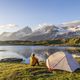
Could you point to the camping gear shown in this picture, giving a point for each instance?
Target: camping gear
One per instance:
(26, 60)
(62, 61)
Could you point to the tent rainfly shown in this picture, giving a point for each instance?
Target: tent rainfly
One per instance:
(62, 61)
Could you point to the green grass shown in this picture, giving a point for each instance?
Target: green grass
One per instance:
(18, 71)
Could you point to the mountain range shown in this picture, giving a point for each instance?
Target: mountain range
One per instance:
(45, 32)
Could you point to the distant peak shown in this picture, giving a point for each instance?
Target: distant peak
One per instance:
(45, 24)
(27, 27)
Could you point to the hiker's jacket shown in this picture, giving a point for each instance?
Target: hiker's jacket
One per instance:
(33, 61)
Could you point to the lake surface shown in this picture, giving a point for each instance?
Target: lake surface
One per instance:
(25, 51)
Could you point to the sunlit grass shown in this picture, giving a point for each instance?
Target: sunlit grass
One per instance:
(18, 71)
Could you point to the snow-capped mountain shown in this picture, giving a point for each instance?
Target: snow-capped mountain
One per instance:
(44, 32)
(15, 35)
(71, 26)
(5, 36)
(69, 29)
(21, 33)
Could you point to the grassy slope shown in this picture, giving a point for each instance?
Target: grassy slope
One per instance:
(18, 71)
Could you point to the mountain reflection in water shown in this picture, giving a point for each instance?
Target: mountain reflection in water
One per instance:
(42, 52)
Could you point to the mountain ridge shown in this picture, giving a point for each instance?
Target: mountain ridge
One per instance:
(65, 30)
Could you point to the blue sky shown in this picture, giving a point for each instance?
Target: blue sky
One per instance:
(34, 12)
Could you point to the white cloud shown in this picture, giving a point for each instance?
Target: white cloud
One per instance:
(71, 22)
(9, 28)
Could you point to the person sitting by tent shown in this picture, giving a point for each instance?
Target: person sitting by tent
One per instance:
(33, 60)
